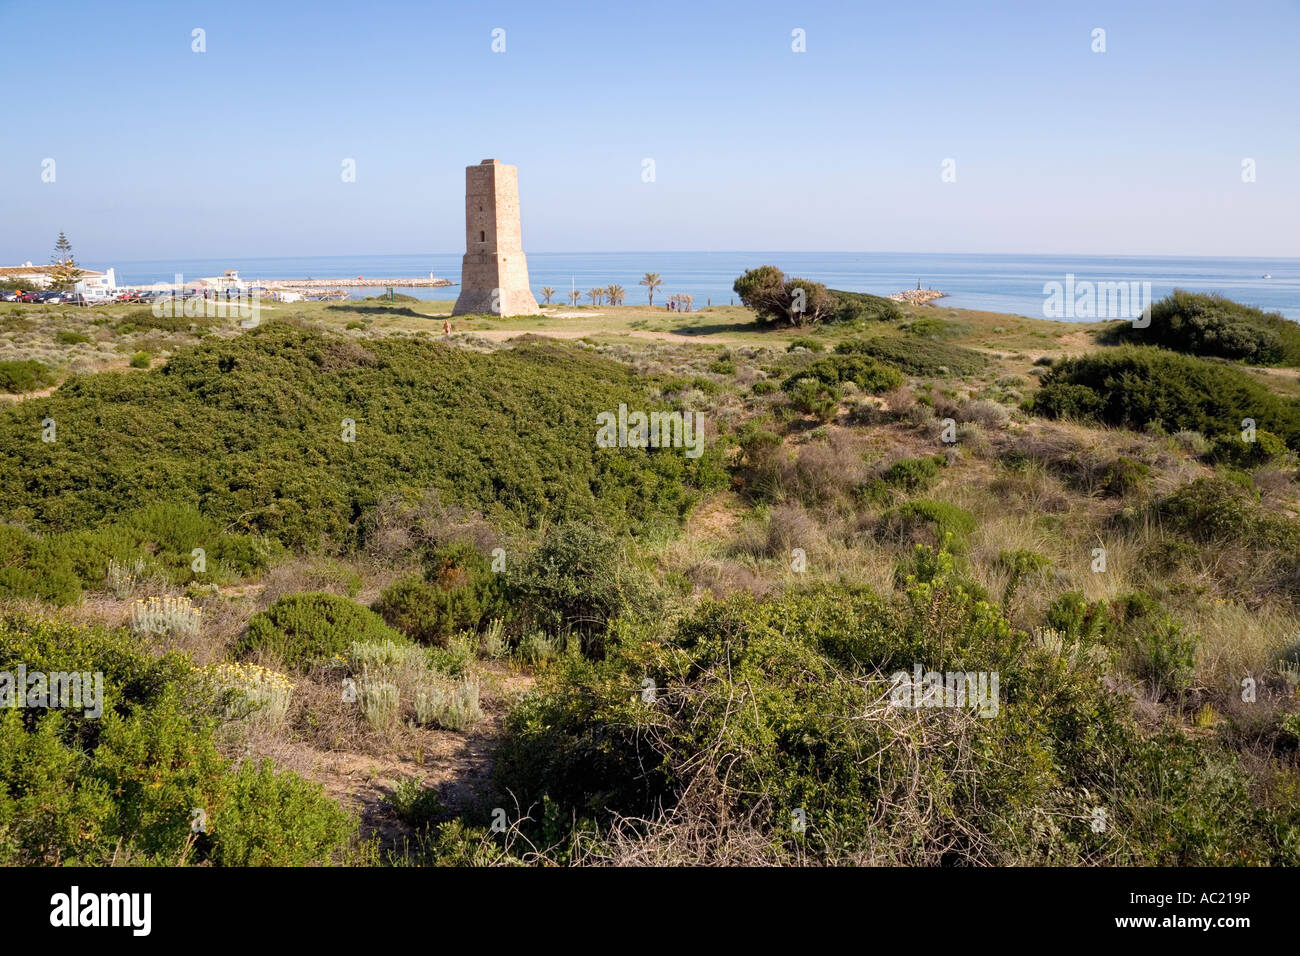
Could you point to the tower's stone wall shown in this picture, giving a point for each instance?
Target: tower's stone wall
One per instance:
(494, 273)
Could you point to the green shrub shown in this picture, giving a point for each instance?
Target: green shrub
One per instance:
(863, 371)
(918, 356)
(1162, 651)
(1124, 475)
(914, 474)
(863, 307)
(66, 337)
(578, 579)
(301, 629)
(1078, 620)
(949, 522)
(417, 805)
(124, 788)
(1212, 325)
(248, 431)
(57, 567)
(141, 360)
(1233, 450)
(1210, 509)
(276, 819)
(1132, 387)
(805, 342)
(24, 376)
(761, 707)
(459, 592)
(808, 396)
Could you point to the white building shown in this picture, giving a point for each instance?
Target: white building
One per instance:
(98, 285)
(38, 277)
(223, 283)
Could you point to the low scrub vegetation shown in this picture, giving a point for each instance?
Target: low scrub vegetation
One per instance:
(1138, 387)
(1214, 326)
(24, 376)
(144, 782)
(403, 568)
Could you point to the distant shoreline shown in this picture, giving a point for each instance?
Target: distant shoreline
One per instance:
(982, 282)
(358, 282)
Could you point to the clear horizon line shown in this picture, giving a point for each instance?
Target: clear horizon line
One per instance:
(626, 252)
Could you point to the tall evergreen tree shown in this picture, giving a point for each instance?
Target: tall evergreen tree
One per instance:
(64, 271)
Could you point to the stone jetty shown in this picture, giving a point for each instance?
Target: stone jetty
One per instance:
(918, 296)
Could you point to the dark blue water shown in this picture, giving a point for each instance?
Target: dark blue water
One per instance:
(995, 283)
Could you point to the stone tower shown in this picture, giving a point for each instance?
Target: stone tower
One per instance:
(494, 273)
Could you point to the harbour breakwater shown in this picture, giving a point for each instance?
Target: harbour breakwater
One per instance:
(359, 281)
(917, 296)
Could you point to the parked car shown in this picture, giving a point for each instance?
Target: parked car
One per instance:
(8, 296)
(28, 297)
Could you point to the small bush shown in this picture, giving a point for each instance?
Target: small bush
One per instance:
(863, 371)
(1132, 387)
(949, 523)
(805, 342)
(24, 376)
(918, 356)
(122, 789)
(811, 397)
(301, 629)
(141, 360)
(913, 474)
(459, 592)
(1232, 450)
(417, 805)
(578, 579)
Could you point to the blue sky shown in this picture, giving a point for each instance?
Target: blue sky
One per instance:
(162, 152)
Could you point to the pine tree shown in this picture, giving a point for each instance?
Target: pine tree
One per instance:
(64, 272)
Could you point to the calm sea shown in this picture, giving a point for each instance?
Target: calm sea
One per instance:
(996, 283)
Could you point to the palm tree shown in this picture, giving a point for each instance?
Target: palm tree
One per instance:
(616, 294)
(651, 281)
(597, 296)
(547, 292)
(574, 296)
